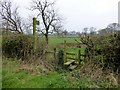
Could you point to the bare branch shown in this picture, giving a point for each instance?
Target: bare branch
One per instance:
(11, 17)
(47, 15)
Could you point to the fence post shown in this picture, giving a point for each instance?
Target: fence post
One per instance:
(55, 56)
(65, 51)
(85, 55)
(34, 33)
(79, 56)
(60, 58)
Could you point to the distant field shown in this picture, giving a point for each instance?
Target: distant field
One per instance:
(58, 40)
(53, 41)
(75, 50)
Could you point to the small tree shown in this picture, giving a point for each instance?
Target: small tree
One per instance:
(113, 27)
(92, 30)
(85, 30)
(48, 17)
(10, 17)
(65, 32)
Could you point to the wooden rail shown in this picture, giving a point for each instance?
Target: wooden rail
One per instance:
(70, 53)
(68, 56)
(72, 58)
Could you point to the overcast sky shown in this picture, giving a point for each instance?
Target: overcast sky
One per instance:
(81, 13)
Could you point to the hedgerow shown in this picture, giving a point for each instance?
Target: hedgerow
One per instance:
(20, 46)
(104, 50)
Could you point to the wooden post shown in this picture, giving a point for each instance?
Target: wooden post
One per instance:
(34, 33)
(79, 56)
(85, 55)
(65, 51)
(55, 56)
(61, 58)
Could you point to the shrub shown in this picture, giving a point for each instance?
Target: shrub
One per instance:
(19, 46)
(104, 50)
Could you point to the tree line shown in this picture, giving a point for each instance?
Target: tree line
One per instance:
(50, 21)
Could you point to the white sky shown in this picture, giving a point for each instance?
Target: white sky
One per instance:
(81, 13)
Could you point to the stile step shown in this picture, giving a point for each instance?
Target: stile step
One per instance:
(72, 67)
(69, 62)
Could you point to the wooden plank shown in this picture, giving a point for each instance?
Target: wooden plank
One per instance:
(72, 58)
(70, 53)
(82, 54)
(72, 67)
(50, 52)
(70, 62)
(65, 51)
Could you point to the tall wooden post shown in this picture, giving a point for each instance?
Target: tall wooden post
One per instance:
(65, 51)
(34, 33)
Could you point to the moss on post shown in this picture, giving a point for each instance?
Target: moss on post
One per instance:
(60, 58)
(65, 51)
(34, 33)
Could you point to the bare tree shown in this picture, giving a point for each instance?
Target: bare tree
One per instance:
(65, 32)
(48, 17)
(85, 30)
(10, 17)
(114, 27)
(92, 30)
(58, 28)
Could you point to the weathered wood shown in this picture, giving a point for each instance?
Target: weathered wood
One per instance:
(72, 58)
(79, 55)
(70, 53)
(61, 58)
(83, 55)
(54, 54)
(72, 67)
(50, 52)
(34, 33)
(65, 51)
(70, 62)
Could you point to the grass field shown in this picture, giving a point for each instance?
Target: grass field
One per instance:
(16, 78)
(59, 40)
(75, 50)
(53, 41)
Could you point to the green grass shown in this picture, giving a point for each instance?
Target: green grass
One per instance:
(75, 50)
(59, 40)
(15, 78)
(53, 41)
